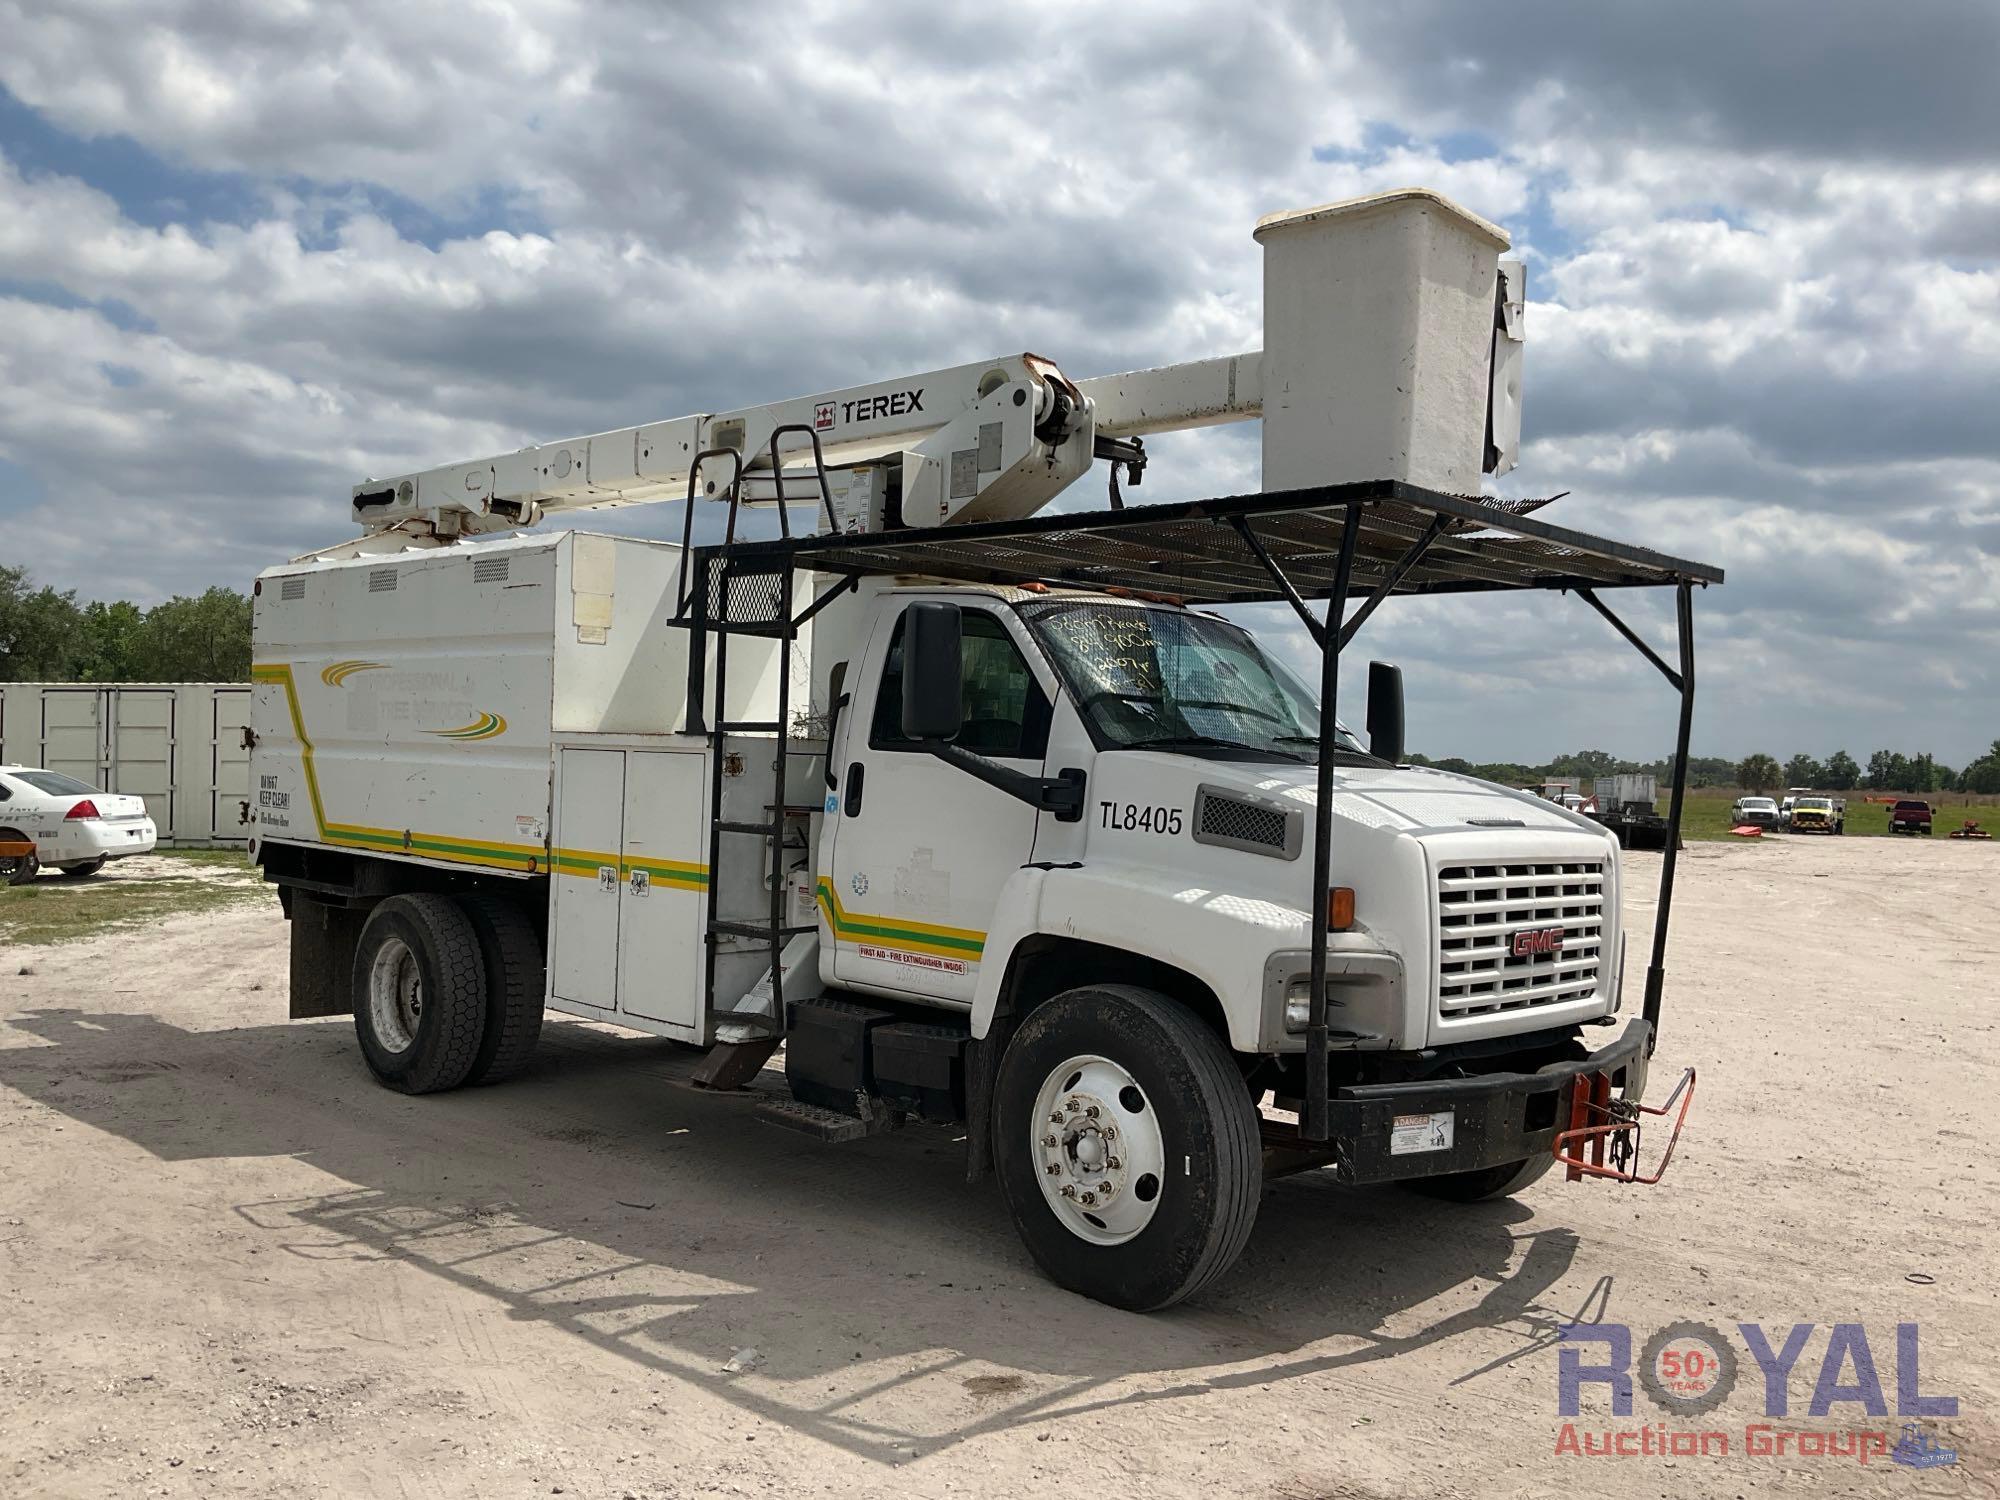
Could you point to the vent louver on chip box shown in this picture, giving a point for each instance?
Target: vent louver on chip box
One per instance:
(489, 570)
(382, 581)
(292, 588)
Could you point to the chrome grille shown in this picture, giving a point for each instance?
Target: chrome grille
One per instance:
(1480, 910)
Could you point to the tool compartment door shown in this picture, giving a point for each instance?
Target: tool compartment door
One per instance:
(584, 910)
(664, 896)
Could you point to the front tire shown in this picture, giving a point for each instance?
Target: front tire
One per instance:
(1484, 1183)
(1127, 1146)
(84, 869)
(419, 993)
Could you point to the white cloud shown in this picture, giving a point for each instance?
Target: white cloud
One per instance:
(1759, 336)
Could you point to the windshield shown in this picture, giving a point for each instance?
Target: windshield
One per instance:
(1759, 802)
(1155, 676)
(55, 783)
(1813, 804)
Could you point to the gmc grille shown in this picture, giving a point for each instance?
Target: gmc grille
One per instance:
(1482, 907)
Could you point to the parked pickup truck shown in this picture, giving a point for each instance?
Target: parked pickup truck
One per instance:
(1761, 812)
(1910, 815)
(1819, 815)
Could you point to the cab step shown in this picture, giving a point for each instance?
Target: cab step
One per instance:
(825, 1124)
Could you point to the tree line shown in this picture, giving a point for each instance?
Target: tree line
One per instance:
(46, 636)
(1886, 771)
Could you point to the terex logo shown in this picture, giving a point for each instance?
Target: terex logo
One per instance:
(868, 408)
(823, 416)
(1539, 940)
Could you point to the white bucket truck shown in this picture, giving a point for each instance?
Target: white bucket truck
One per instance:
(988, 816)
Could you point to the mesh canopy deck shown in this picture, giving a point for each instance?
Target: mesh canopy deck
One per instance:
(1197, 551)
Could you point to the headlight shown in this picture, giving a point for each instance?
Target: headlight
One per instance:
(1298, 1004)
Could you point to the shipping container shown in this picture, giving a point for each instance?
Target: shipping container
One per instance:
(177, 744)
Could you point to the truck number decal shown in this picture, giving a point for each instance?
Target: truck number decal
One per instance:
(1138, 816)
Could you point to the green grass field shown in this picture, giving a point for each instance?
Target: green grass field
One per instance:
(175, 882)
(1706, 815)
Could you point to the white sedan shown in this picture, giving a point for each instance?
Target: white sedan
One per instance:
(47, 818)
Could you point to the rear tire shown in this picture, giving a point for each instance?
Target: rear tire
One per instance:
(419, 993)
(85, 869)
(19, 869)
(1485, 1183)
(1183, 1156)
(512, 954)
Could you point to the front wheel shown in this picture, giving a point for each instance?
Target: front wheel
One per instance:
(1127, 1146)
(1483, 1183)
(419, 987)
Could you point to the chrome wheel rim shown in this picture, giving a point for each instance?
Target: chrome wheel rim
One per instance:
(1097, 1150)
(395, 995)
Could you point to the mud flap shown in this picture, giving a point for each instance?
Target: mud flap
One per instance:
(323, 943)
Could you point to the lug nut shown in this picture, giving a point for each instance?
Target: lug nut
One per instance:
(1092, 1111)
(1111, 1132)
(1072, 1106)
(1048, 1140)
(1056, 1118)
(1068, 1191)
(1111, 1162)
(1052, 1169)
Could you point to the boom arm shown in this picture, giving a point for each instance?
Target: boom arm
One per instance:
(1392, 349)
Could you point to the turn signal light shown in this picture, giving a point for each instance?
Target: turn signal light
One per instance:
(1340, 908)
(84, 809)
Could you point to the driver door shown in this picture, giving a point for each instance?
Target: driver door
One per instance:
(921, 849)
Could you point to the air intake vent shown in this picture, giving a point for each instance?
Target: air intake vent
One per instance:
(1236, 822)
(292, 588)
(382, 581)
(489, 569)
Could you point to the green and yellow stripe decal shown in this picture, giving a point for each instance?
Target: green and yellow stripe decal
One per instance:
(447, 848)
(585, 863)
(485, 727)
(895, 932)
(340, 671)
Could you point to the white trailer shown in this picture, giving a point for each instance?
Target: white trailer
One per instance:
(987, 817)
(179, 745)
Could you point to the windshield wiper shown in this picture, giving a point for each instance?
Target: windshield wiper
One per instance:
(1169, 741)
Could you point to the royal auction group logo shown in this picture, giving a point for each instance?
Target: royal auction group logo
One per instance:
(1688, 1370)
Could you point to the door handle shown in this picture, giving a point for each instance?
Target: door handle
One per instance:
(855, 771)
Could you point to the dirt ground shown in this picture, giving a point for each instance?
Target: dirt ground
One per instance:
(232, 1265)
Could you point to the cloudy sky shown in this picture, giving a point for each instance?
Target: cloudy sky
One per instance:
(252, 252)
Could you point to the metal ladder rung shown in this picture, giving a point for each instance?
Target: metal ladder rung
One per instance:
(749, 726)
(757, 930)
(768, 830)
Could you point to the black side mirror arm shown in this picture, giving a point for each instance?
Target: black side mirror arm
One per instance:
(1061, 794)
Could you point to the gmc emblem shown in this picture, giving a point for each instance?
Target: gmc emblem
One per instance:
(1538, 940)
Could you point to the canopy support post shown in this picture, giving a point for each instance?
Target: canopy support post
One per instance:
(1315, 1126)
(1656, 973)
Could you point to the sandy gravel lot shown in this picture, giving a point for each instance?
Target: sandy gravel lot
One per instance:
(233, 1266)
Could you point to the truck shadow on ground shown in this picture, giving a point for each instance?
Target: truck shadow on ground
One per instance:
(600, 1195)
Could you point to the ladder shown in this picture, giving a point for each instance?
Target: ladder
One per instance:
(733, 598)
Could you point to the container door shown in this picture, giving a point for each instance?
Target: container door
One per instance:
(72, 734)
(665, 889)
(583, 912)
(229, 765)
(142, 751)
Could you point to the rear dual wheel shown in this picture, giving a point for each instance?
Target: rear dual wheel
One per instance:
(446, 991)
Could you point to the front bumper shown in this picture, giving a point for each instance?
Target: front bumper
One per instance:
(1494, 1118)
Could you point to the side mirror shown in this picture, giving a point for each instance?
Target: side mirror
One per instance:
(1385, 711)
(933, 672)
